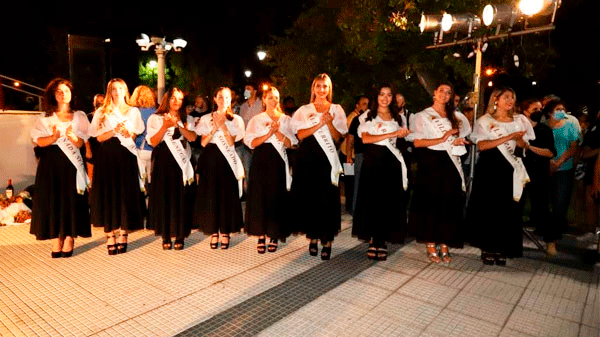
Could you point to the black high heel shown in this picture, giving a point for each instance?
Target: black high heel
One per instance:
(122, 246)
(272, 246)
(487, 258)
(382, 253)
(313, 248)
(112, 249)
(225, 245)
(167, 244)
(214, 244)
(500, 260)
(179, 243)
(325, 253)
(70, 252)
(261, 248)
(372, 252)
(56, 255)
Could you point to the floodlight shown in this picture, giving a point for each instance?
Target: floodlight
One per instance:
(179, 43)
(447, 22)
(143, 41)
(534, 7)
(499, 14)
(430, 23)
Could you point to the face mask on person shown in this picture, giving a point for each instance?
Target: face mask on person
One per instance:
(559, 114)
(247, 94)
(536, 116)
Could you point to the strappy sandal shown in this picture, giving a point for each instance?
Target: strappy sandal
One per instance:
(214, 241)
(500, 260)
(487, 258)
(112, 249)
(167, 244)
(261, 247)
(326, 253)
(273, 246)
(433, 255)
(382, 253)
(313, 248)
(225, 243)
(122, 246)
(372, 252)
(445, 254)
(179, 243)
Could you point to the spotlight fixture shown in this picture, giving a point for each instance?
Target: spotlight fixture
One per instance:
(499, 14)
(430, 23)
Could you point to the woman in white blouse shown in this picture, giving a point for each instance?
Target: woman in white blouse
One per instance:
(315, 192)
(171, 195)
(269, 134)
(380, 213)
(117, 194)
(218, 208)
(60, 211)
(436, 214)
(493, 212)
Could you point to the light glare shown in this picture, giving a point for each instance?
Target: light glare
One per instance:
(531, 7)
(447, 22)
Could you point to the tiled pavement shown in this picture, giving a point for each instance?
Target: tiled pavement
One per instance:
(199, 291)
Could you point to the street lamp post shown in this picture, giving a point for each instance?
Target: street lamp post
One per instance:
(161, 47)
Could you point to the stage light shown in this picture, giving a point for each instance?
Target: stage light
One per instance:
(490, 84)
(179, 43)
(447, 22)
(531, 7)
(430, 23)
(499, 14)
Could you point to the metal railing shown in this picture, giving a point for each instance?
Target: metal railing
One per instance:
(16, 86)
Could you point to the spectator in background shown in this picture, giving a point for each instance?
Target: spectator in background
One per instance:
(289, 105)
(351, 149)
(250, 108)
(590, 149)
(200, 107)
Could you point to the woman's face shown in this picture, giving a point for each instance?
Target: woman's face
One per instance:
(506, 101)
(559, 107)
(271, 100)
(384, 99)
(321, 89)
(62, 94)
(223, 99)
(533, 107)
(176, 101)
(442, 94)
(118, 92)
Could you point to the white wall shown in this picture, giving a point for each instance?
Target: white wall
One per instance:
(17, 160)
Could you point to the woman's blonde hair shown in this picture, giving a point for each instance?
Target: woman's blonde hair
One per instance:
(325, 78)
(143, 97)
(492, 104)
(108, 100)
(271, 90)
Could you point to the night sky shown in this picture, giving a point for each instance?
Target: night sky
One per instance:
(230, 32)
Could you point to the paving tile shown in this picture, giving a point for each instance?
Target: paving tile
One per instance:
(427, 291)
(359, 294)
(591, 312)
(538, 324)
(506, 332)
(383, 278)
(513, 276)
(562, 282)
(552, 305)
(451, 323)
(497, 290)
(408, 310)
(403, 263)
(374, 324)
(586, 331)
(482, 308)
(444, 275)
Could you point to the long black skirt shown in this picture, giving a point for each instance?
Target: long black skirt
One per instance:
(170, 201)
(436, 210)
(381, 202)
(268, 205)
(218, 208)
(58, 210)
(116, 199)
(315, 200)
(493, 217)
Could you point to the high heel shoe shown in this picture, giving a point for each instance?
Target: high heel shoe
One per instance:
(432, 253)
(445, 254)
(261, 247)
(70, 252)
(487, 258)
(214, 241)
(56, 255)
(382, 253)
(325, 252)
(372, 252)
(167, 244)
(272, 246)
(313, 248)
(112, 249)
(122, 246)
(500, 260)
(179, 243)
(225, 241)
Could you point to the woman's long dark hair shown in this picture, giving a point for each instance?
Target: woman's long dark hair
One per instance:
(394, 111)
(229, 112)
(449, 106)
(50, 105)
(164, 105)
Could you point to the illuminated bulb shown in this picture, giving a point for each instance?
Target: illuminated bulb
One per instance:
(265, 87)
(248, 73)
(447, 22)
(16, 84)
(488, 15)
(261, 55)
(152, 64)
(490, 84)
(531, 7)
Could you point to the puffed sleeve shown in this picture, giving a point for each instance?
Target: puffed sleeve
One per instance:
(465, 127)
(236, 128)
(154, 124)
(479, 132)
(39, 130)
(529, 133)
(299, 119)
(417, 126)
(191, 123)
(363, 127)
(135, 117)
(339, 119)
(285, 127)
(256, 128)
(81, 125)
(203, 125)
(95, 128)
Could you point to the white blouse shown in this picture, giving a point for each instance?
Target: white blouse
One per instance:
(377, 126)
(519, 123)
(260, 124)
(235, 127)
(301, 118)
(133, 121)
(155, 122)
(421, 127)
(43, 126)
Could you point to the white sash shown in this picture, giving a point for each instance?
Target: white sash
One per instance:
(324, 139)
(453, 151)
(127, 142)
(280, 148)
(390, 143)
(181, 156)
(82, 181)
(520, 176)
(231, 156)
